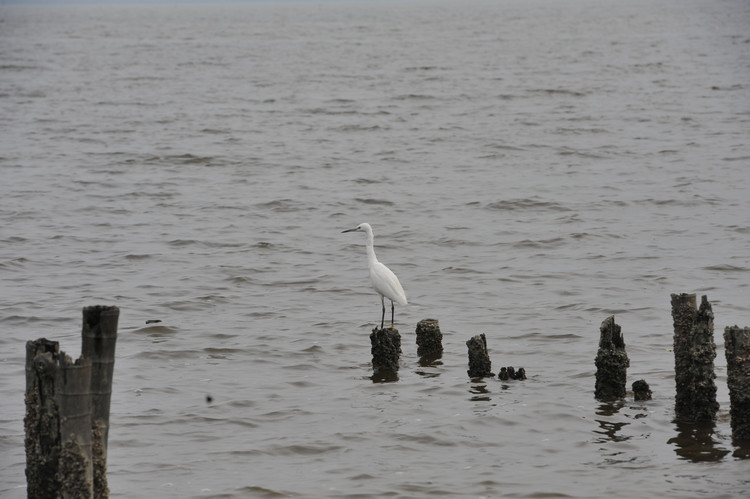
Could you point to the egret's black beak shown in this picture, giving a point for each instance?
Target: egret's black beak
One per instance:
(349, 230)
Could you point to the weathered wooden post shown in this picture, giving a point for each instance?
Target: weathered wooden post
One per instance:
(737, 349)
(99, 337)
(57, 423)
(42, 419)
(61, 410)
(386, 349)
(429, 339)
(611, 362)
(694, 353)
(480, 365)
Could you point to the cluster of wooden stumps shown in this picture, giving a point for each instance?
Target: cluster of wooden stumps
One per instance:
(386, 349)
(694, 353)
(67, 402)
(67, 411)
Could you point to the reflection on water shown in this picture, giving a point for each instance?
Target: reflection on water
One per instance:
(609, 429)
(697, 442)
(480, 393)
(431, 365)
(431, 361)
(384, 376)
(742, 451)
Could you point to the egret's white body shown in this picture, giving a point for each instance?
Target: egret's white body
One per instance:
(383, 279)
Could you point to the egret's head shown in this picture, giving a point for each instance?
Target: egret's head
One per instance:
(359, 228)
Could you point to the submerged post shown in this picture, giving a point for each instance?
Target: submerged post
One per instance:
(480, 365)
(611, 362)
(429, 339)
(510, 372)
(737, 349)
(386, 349)
(694, 353)
(67, 411)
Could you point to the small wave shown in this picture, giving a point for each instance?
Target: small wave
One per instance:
(303, 450)
(182, 242)
(526, 204)
(255, 491)
(738, 158)
(568, 151)
(540, 244)
(16, 263)
(358, 128)
(167, 354)
(687, 202)
(414, 97)
(375, 201)
(137, 257)
(557, 91)
(14, 240)
(423, 68)
(221, 353)
(159, 330)
(280, 205)
(726, 268)
(207, 244)
(461, 270)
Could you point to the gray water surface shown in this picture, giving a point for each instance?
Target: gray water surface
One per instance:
(529, 169)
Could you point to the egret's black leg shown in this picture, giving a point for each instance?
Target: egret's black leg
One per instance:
(382, 318)
(392, 314)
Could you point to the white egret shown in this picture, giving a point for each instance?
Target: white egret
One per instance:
(383, 279)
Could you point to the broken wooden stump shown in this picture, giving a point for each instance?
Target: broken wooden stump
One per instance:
(386, 349)
(737, 349)
(429, 339)
(611, 362)
(694, 353)
(63, 404)
(57, 422)
(479, 360)
(641, 390)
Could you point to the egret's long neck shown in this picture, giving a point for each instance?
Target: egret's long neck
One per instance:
(371, 248)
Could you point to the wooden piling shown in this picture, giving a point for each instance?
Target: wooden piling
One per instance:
(694, 353)
(429, 339)
(99, 338)
(67, 406)
(57, 423)
(386, 349)
(737, 349)
(480, 365)
(76, 463)
(611, 362)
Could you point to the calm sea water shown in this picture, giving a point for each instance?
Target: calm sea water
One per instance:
(529, 168)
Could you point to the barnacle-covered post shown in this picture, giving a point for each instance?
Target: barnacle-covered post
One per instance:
(67, 411)
(57, 423)
(429, 339)
(480, 365)
(737, 349)
(99, 337)
(694, 353)
(386, 349)
(611, 362)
